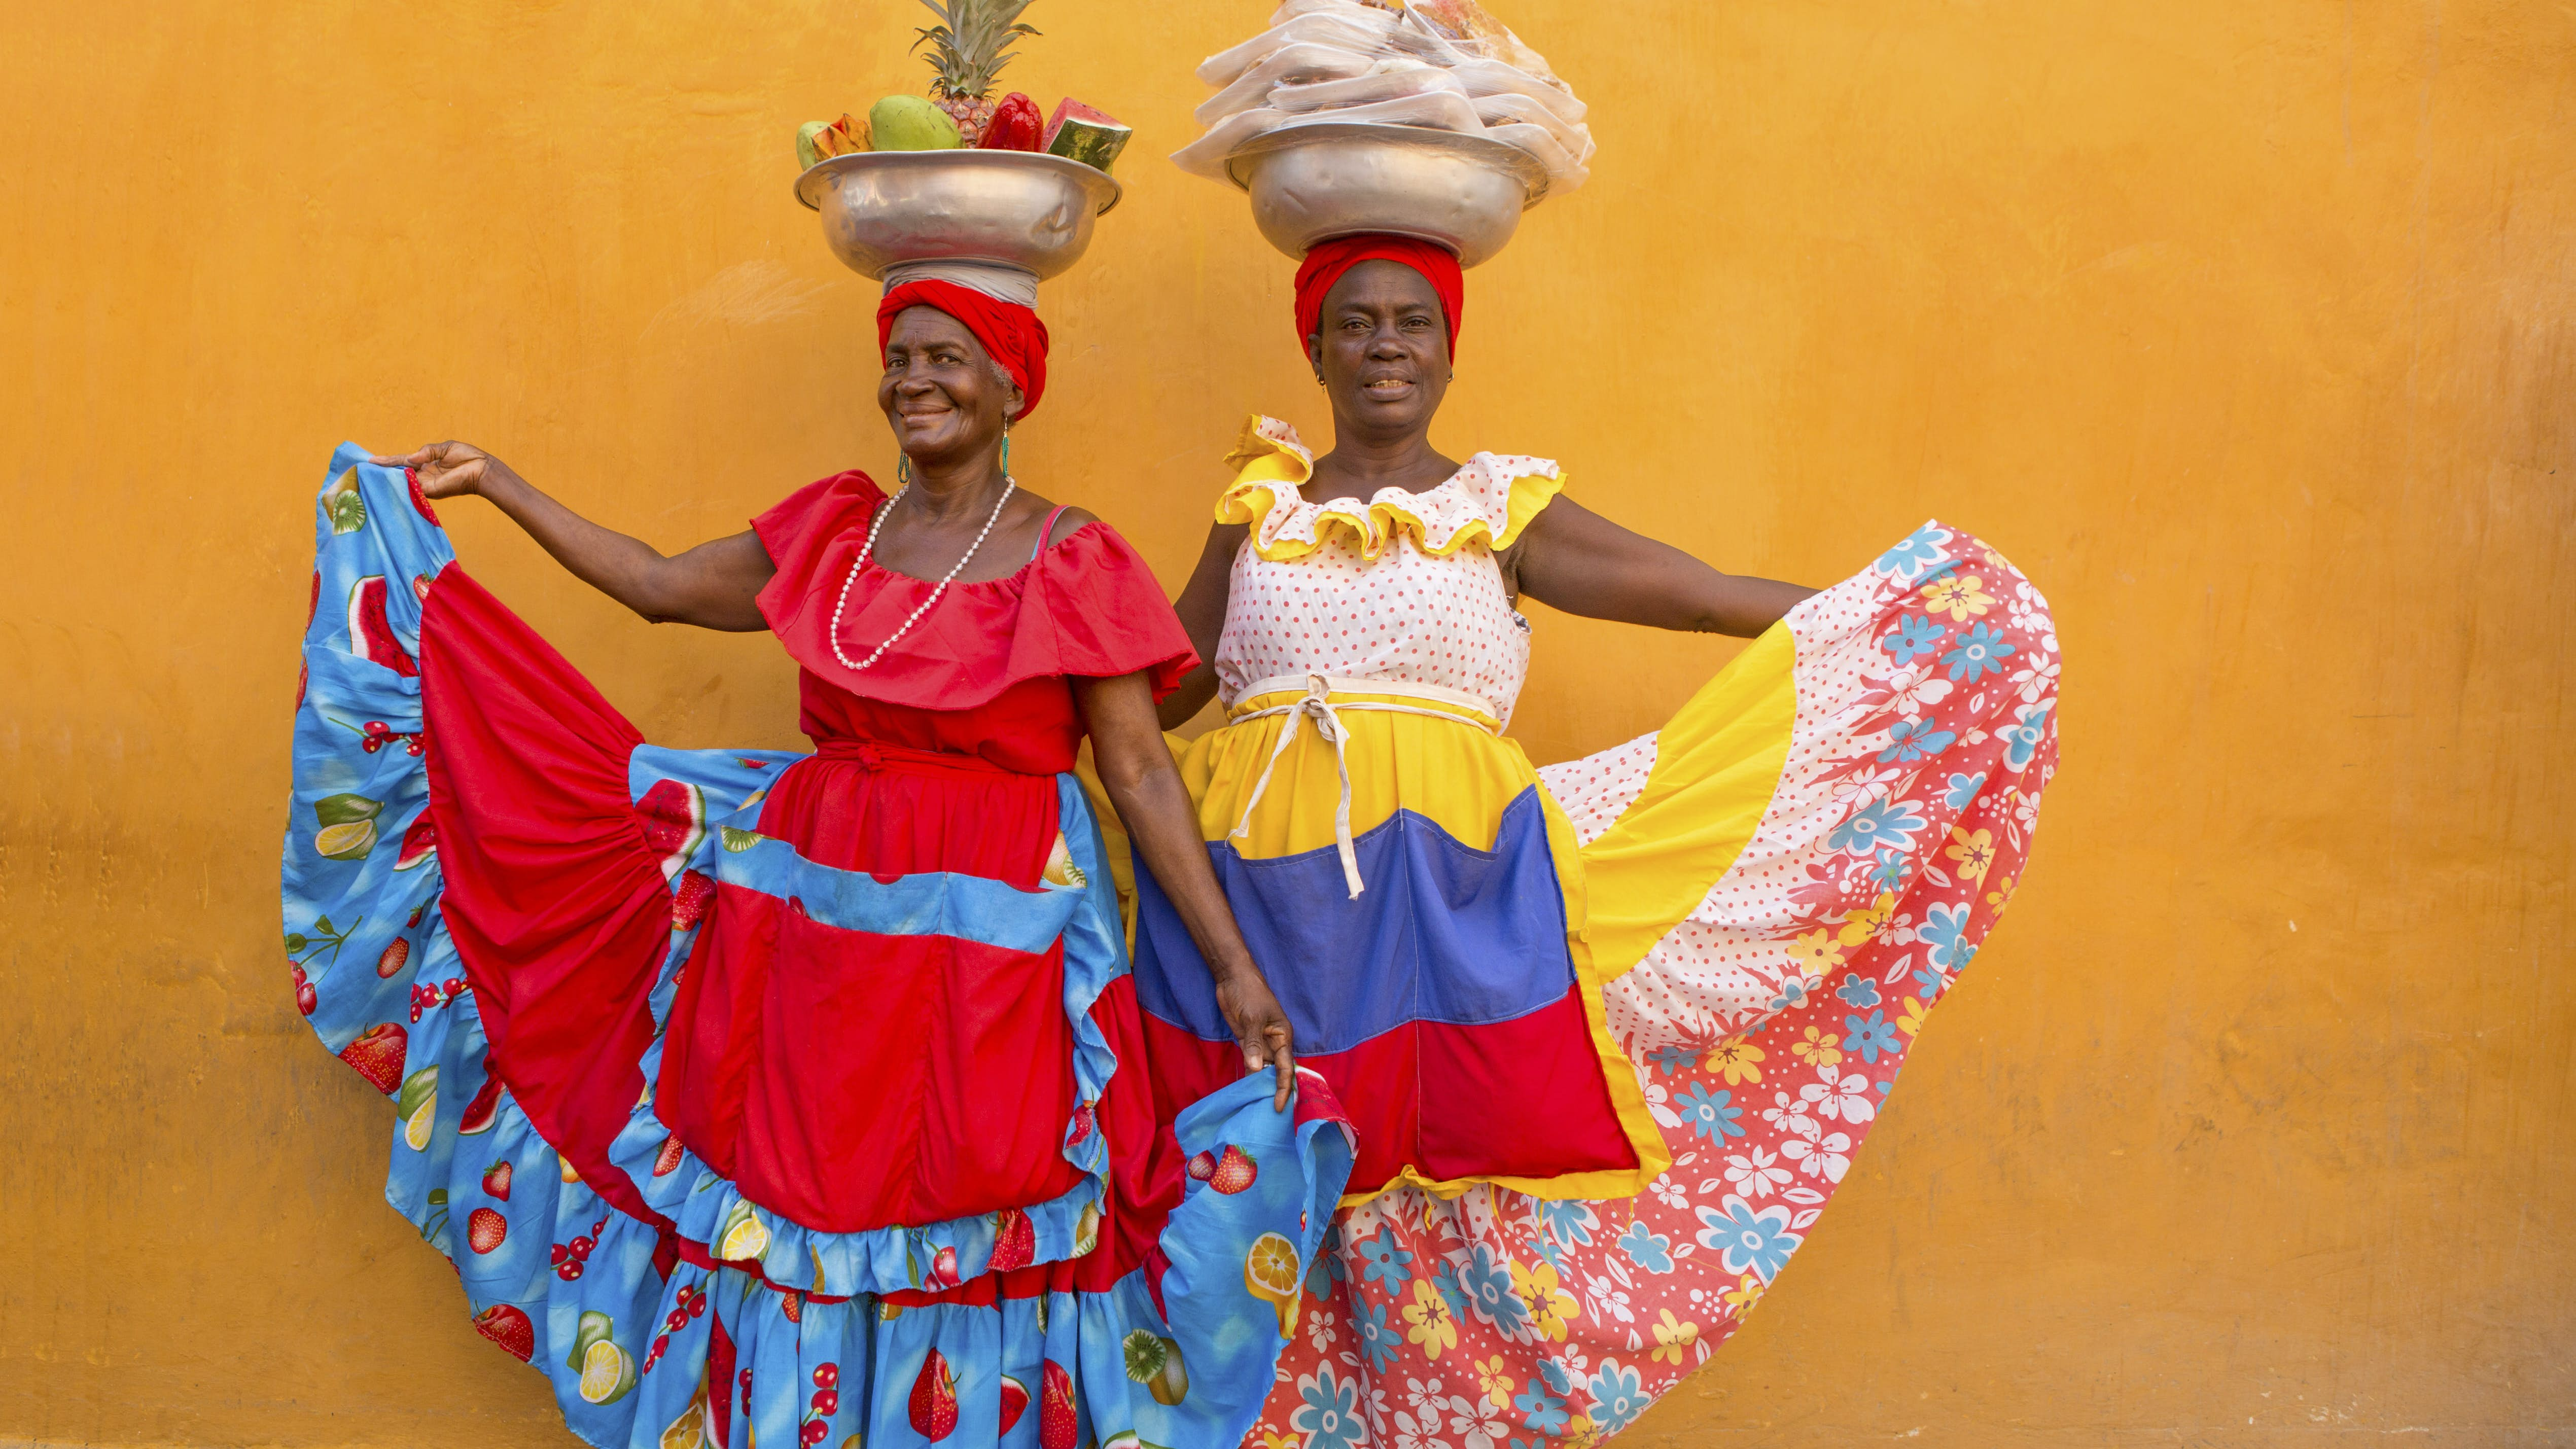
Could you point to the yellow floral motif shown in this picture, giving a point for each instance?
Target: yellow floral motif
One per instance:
(1550, 1305)
(1962, 596)
(1496, 1377)
(1822, 1048)
(1912, 1021)
(1432, 1328)
(1581, 1434)
(2001, 896)
(1674, 1338)
(1867, 923)
(1746, 1293)
(1974, 853)
(1280, 1441)
(1734, 1059)
(1815, 952)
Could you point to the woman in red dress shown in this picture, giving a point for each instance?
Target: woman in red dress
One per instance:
(801, 1094)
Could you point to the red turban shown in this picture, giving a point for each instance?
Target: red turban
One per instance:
(1329, 260)
(1010, 332)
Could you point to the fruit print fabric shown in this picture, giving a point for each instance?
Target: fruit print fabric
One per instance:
(665, 1307)
(1778, 886)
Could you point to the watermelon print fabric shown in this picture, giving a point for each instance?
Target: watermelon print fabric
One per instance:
(511, 958)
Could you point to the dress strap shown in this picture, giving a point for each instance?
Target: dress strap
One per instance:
(1318, 703)
(1047, 528)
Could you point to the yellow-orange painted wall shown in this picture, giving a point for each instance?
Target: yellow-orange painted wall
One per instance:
(2245, 328)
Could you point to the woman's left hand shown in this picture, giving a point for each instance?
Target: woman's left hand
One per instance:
(1260, 1028)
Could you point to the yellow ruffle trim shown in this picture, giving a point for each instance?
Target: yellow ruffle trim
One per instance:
(1271, 464)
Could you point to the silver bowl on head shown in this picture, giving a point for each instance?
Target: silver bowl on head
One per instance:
(1014, 208)
(1315, 182)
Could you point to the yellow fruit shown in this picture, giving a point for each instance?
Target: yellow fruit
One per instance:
(689, 1431)
(1271, 1269)
(345, 842)
(745, 1241)
(607, 1372)
(1061, 873)
(416, 1126)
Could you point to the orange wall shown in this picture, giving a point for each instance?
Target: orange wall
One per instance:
(2245, 328)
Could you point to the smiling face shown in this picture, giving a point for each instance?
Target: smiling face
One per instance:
(942, 393)
(1383, 350)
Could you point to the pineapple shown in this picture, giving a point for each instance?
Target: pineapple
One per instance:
(966, 50)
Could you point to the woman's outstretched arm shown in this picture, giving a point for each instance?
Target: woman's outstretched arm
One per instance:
(1202, 610)
(1573, 559)
(1136, 768)
(713, 586)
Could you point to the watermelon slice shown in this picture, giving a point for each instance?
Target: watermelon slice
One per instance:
(675, 823)
(1084, 133)
(419, 843)
(370, 637)
(485, 1107)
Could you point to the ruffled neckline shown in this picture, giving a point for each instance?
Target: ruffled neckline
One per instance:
(1489, 500)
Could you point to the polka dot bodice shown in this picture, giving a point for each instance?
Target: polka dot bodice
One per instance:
(1404, 587)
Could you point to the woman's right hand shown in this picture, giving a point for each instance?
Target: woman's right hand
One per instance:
(446, 470)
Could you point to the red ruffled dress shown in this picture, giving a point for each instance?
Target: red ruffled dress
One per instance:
(795, 1098)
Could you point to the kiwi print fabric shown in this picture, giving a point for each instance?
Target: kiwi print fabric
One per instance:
(771, 1098)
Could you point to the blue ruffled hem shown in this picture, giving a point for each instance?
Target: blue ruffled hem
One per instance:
(629, 1335)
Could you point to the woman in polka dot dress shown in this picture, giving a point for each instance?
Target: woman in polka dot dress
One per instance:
(1610, 1032)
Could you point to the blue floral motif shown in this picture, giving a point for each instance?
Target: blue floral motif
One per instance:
(1327, 1270)
(1559, 1378)
(1384, 1262)
(2021, 739)
(1961, 790)
(1915, 739)
(1920, 550)
(1979, 652)
(1567, 1221)
(1746, 1240)
(1330, 1418)
(1858, 991)
(1914, 635)
(1710, 1114)
(1793, 992)
(1380, 1342)
(1893, 869)
(1943, 935)
(1673, 1060)
(1870, 1037)
(1933, 980)
(1878, 823)
(1546, 1246)
(1488, 1282)
(1617, 1396)
(1648, 1250)
(1446, 1283)
(1540, 1410)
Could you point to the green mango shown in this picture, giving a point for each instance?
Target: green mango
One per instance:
(912, 123)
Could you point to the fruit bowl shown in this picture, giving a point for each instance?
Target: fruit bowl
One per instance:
(1017, 208)
(1315, 182)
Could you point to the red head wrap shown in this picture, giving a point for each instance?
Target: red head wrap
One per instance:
(1329, 260)
(1010, 332)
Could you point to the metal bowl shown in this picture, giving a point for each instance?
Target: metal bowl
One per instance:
(1315, 182)
(1017, 208)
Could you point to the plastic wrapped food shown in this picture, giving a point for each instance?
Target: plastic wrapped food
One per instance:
(1448, 110)
(1356, 28)
(1510, 108)
(1564, 172)
(1390, 80)
(1290, 65)
(1206, 155)
(1494, 78)
(1446, 65)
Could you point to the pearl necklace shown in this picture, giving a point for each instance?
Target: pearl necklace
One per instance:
(1010, 485)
